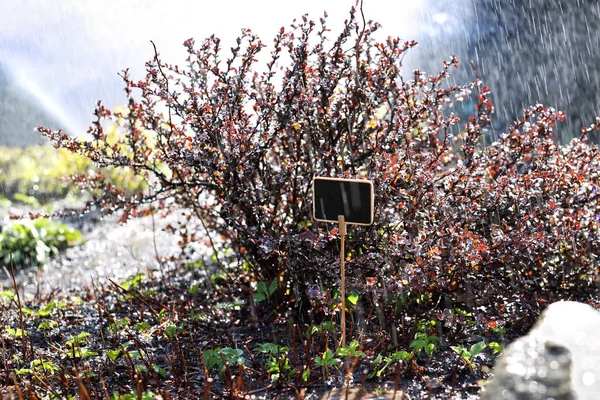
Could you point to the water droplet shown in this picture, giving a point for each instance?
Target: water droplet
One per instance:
(533, 387)
(588, 378)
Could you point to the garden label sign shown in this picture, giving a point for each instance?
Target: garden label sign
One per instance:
(349, 198)
(345, 201)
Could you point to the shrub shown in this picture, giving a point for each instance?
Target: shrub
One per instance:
(237, 147)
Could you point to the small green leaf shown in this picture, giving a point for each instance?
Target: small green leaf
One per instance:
(141, 368)
(194, 289)
(171, 330)
(351, 350)
(114, 354)
(141, 326)
(81, 352)
(353, 298)
(45, 366)
(327, 359)
(47, 325)
(16, 333)
(477, 348)
(461, 351)
(7, 294)
(402, 356)
(159, 370)
(23, 371)
(328, 326)
(378, 360)
(306, 374)
(496, 347)
(134, 354)
(273, 287)
(161, 315)
(77, 339)
(417, 345)
(261, 287)
(429, 349)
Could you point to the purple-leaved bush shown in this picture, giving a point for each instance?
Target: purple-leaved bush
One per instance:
(236, 146)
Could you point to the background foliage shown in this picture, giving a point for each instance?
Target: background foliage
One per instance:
(43, 172)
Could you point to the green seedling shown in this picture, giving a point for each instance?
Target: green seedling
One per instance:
(280, 368)
(117, 354)
(75, 347)
(159, 370)
(81, 352)
(462, 312)
(117, 325)
(306, 374)
(399, 356)
(350, 351)
(499, 330)
(114, 355)
(47, 325)
(133, 282)
(326, 326)
(278, 364)
(193, 290)
(469, 320)
(133, 396)
(46, 311)
(171, 330)
(271, 349)
(161, 315)
(142, 327)
(263, 292)
(424, 342)
(468, 355)
(17, 333)
(39, 366)
(219, 358)
(327, 359)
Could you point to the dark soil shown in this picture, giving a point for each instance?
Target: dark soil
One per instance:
(149, 334)
(164, 302)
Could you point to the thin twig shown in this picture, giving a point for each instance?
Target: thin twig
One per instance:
(166, 84)
(160, 262)
(20, 311)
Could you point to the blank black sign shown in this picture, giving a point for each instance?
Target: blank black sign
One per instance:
(352, 198)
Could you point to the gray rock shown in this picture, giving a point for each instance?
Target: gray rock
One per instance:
(532, 370)
(559, 359)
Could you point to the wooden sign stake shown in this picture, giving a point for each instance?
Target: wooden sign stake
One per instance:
(352, 202)
(342, 230)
